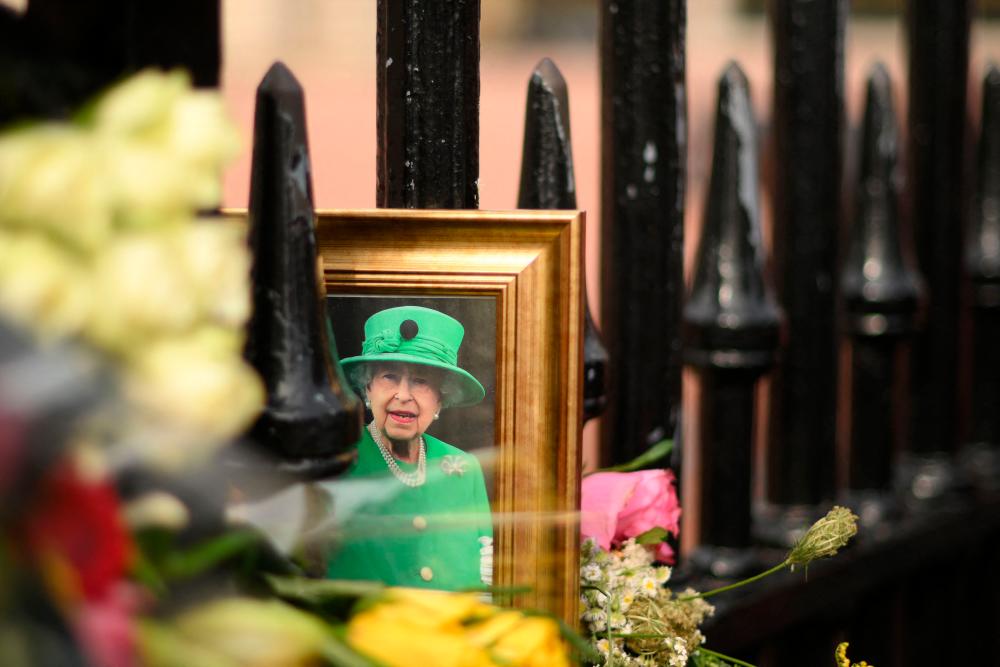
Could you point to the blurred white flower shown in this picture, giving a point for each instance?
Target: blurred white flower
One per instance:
(99, 241)
(198, 381)
(217, 263)
(143, 291)
(42, 285)
(50, 181)
(164, 146)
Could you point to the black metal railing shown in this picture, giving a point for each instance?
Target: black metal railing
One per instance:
(897, 332)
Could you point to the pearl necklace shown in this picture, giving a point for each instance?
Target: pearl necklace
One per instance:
(411, 479)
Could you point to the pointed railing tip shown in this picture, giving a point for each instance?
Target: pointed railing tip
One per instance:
(547, 180)
(880, 110)
(733, 76)
(879, 290)
(982, 256)
(731, 318)
(734, 108)
(280, 79)
(878, 78)
(548, 76)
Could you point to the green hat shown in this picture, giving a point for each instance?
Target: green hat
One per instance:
(419, 336)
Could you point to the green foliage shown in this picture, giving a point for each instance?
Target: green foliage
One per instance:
(654, 535)
(652, 455)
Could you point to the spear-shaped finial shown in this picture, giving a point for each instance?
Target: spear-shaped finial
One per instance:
(312, 420)
(730, 331)
(547, 182)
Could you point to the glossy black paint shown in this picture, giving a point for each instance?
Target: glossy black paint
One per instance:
(427, 104)
(880, 294)
(59, 53)
(643, 155)
(312, 419)
(730, 332)
(547, 182)
(982, 264)
(807, 125)
(938, 42)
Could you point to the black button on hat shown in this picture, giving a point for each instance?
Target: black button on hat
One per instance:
(408, 329)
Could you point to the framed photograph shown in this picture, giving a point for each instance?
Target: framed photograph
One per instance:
(514, 282)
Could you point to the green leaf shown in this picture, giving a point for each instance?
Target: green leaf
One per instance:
(338, 653)
(703, 657)
(208, 554)
(319, 591)
(658, 451)
(654, 535)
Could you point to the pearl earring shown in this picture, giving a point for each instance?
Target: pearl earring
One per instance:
(437, 415)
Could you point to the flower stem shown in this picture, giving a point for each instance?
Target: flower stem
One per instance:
(723, 656)
(780, 566)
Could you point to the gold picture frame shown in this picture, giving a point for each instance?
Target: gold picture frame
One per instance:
(531, 263)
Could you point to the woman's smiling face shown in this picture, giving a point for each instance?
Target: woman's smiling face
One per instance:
(404, 399)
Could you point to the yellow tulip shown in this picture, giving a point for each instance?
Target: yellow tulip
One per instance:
(534, 642)
(453, 630)
(404, 644)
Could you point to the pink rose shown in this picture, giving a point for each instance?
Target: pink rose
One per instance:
(619, 505)
(106, 627)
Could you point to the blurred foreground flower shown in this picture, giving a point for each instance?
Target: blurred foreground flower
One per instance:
(235, 631)
(616, 506)
(423, 627)
(99, 241)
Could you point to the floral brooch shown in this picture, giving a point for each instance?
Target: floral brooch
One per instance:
(453, 465)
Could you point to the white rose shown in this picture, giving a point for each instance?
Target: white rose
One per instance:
(49, 179)
(198, 381)
(139, 106)
(143, 290)
(43, 286)
(217, 263)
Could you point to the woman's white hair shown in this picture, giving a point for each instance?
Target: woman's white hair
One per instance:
(360, 376)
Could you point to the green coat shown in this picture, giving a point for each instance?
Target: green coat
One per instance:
(430, 536)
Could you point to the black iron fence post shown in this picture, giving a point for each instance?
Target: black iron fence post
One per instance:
(311, 420)
(643, 154)
(730, 334)
(427, 104)
(807, 121)
(547, 182)
(58, 53)
(880, 295)
(938, 36)
(982, 263)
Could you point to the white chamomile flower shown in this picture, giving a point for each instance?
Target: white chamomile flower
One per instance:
(649, 587)
(626, 601)
(604, 646)
(662, 574)
(591, 572)
(617, 620)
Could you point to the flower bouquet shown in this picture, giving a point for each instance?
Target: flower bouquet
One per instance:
(627, 610)
(122, 314)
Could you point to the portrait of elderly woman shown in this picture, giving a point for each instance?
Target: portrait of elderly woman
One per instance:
(428, 524)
